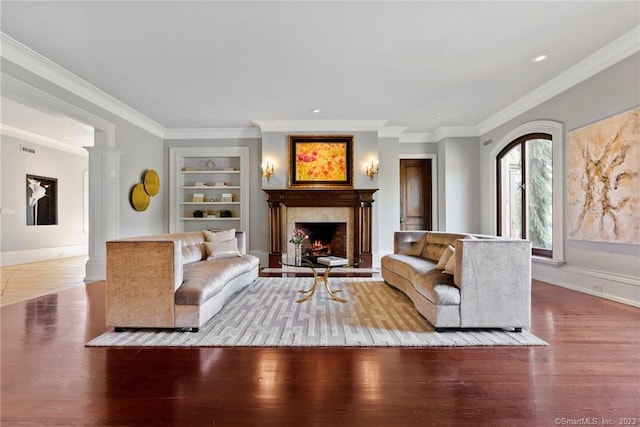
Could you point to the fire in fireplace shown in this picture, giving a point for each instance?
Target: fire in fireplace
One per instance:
(325, 238)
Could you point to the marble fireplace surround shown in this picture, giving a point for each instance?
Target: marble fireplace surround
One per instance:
(353, 206)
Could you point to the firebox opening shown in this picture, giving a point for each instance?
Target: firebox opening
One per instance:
(325, 238)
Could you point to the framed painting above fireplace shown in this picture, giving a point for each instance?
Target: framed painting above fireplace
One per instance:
(321, 161)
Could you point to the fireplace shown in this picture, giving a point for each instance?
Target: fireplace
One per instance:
(325, 238)
(350, 207)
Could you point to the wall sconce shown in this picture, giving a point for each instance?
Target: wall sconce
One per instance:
(268, 170)
(372, 170)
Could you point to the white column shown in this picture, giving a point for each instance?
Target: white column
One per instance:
(104, 205)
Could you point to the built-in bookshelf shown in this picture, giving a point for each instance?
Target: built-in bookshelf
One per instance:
(208, 188)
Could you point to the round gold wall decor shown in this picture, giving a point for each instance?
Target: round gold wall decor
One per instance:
(151, 182)
(139, 198)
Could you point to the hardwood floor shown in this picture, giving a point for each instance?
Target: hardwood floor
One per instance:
(590, 370)
(25, 281)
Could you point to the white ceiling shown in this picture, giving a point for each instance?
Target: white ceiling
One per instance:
(38, 126)
(423, 65)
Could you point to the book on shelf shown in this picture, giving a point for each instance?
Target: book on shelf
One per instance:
(332, 260)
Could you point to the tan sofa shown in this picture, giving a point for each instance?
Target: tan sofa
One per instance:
(166, 281)
(490, 286)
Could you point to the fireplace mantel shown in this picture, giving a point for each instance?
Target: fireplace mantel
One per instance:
(359, 199)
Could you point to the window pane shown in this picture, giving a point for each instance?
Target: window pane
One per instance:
(511, 179)
(539, 192)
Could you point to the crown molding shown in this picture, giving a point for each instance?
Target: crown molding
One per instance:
(21, 55)
(439, 134)
(603, 58)
(417, 138)
(35, 138)
(319, 125)
(455, 132)
(391, 132)
(212, 133)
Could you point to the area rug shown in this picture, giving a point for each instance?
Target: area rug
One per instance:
(266, 314)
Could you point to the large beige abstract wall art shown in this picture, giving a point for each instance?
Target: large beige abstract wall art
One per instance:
(603, 182)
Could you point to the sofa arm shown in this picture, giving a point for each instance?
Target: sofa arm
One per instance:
(494, 277)
(142, 276)
(241, 237)
(408, 242)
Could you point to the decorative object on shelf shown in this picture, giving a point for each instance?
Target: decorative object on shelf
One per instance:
(372, 169)
(151, 182)
(227, 198)
(198, 198)
(321, 161)
(297, 237)
(268, 170)
(198, 214)
(208, 164)
(225, 213)
(139, 198)
(221, 184)
(199, 184)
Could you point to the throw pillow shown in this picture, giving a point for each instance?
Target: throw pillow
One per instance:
(451, 265)
(219, 236)
(220, 250)
(442, 263)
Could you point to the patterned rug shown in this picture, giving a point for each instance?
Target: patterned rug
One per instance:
(266, 314)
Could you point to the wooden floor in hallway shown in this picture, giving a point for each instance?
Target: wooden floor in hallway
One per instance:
(25, 281)
(590, 370)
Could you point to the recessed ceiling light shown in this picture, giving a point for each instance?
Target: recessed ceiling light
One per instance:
(315, 110)
(65, 137)
(540, 58)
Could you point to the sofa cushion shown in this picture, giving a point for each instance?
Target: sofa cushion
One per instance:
(450, 267)
(437, 287)
(203, 280)
(226, 249)
(192, 246)
(442, 262)
(437, 242)
(409, 242)
(406, 265)
(219, 236)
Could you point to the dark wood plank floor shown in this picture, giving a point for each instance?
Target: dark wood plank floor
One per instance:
(591, 370)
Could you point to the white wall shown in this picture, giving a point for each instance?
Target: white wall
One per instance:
(21, 243)
(141, 151)
(605, 269)
(388, 196)
(459, 185)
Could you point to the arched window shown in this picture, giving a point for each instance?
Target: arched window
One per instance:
(525, 191)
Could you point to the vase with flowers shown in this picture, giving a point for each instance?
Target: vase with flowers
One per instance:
(297, 237)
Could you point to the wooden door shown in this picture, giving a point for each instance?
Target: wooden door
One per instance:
(415, 194)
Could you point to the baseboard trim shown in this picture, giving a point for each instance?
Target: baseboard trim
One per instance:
(42, 254)
(614, 287)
